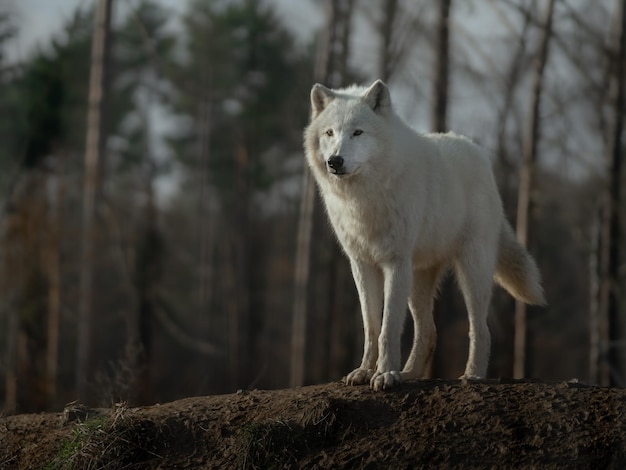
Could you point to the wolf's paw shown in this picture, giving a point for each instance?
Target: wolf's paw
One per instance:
(385, 380)
(359, 376)
(470, 378)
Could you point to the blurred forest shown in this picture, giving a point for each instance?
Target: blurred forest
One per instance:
(159, 233)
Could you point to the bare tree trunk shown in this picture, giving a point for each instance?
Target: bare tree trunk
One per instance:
(442, 64)
(26, 290)
(93, 156)
(207, 320)
(303, 258)
(595, 338)
(512, 79)
(10, 389)
(611, 294)
(53, 270)
(204, 220)
(330, 68)
(385, 58)
(524, 201)
(232, 310)
(240, 335)
(12, 287)
(149, 269)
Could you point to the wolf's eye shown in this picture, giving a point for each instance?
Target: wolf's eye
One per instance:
(358, 132)
(330, 133)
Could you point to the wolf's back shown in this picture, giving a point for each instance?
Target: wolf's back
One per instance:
(516, 270)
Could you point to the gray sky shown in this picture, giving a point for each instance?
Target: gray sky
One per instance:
(36, 21)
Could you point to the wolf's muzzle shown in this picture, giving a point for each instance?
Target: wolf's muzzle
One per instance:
(335, 164)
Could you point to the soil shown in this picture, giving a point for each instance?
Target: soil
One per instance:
(425, 424)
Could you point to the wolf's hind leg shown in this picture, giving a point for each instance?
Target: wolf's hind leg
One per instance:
(421, 302)
(369, 284)
(474, 270)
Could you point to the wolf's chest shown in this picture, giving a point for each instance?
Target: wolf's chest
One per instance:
(367, 229)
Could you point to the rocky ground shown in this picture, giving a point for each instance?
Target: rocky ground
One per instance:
(425, 424)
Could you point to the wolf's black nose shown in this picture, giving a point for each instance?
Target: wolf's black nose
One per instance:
(335, 162)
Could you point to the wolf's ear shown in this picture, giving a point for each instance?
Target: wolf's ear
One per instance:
(378, 98)
(320, 98)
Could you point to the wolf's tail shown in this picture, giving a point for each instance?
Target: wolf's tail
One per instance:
(516, 270)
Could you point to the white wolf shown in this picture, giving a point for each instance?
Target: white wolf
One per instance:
(406, 207)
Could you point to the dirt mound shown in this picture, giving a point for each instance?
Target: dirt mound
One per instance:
(421, 424)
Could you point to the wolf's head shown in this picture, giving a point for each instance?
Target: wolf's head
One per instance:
(347, 129)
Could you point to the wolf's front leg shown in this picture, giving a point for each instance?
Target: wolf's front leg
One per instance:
(397, 283)
(369, 284)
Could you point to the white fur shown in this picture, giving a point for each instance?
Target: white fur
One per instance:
(405, 207)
